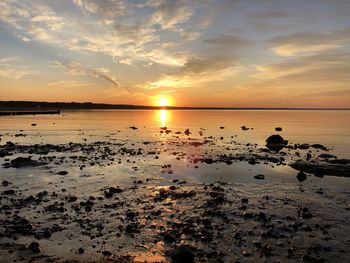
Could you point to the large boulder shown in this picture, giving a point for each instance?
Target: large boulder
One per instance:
(276, 142)
(20, 162)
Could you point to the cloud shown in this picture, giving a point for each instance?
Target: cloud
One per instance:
(270, 14)
(28, 20)
(105, 8)
(68, 84)
(205, 65)
(306, 80)
(124, 38)
(231, 41)
(322, 67)
(8, 59)
(76, 68)
(13, 68)
(197, 70)
(169, 13)
(309, 42)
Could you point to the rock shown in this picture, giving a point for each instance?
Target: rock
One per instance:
(244, 128)
(20, 162)
(133, 128)
(47, 233)
(306, 213)
(81, 250)
(106, 253)
(34, 124)
(131, 214)
(111, 191)
(276, 142)
(62, 173)
(319, 191)
(9, 192)
(252, 161)
(275, 139)
(259, 177)
(301, 176)
(278, 129)
(183, 254)
(34, 247)
(327, 156)
(187, 132)
(303, 146)
(132, 228)
(208, 160)
(244, 200)
(340, 161)
(319, 146)
(5, 183)
(308, 156)
(71, 199)
(320, 169)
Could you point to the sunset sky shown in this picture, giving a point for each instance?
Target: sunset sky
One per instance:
(230, 53)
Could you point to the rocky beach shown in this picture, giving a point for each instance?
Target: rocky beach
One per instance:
(58, 202)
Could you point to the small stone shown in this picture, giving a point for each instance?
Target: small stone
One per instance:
(47, 233)
(106, 253)
(301, 176)
(244, 200)
(259, 177)
(306, 213)
(319, 191)
(88, 208)
(34, 247)
(187, 132)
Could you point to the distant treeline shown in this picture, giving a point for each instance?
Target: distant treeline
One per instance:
(38, 106)
(34, 105)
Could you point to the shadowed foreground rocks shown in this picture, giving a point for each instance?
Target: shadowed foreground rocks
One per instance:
(176, 222)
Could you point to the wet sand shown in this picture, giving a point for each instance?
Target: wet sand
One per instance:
(59, 203)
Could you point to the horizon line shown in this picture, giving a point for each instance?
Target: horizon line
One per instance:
(98, 105)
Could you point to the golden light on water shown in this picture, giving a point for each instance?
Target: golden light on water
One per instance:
(163, 117)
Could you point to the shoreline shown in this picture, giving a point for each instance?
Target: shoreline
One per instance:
(33, 112)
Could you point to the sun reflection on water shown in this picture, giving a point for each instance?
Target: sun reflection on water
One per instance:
(163, 117)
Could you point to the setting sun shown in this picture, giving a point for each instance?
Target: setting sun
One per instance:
(163, 102)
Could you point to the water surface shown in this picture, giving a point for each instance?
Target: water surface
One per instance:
(329, 128)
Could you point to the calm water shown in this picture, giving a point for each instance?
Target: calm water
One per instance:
(330, 128)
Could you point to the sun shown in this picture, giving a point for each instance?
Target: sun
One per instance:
(163, 102)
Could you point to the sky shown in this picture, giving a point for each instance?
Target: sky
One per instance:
(225, 53)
